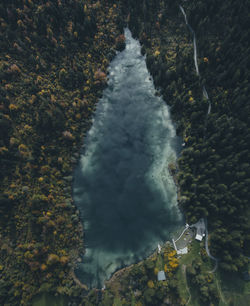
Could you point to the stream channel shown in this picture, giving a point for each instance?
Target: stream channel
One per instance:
(122, 187)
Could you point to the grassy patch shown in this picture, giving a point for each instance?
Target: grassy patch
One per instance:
(160, 262)
(233, 289)
(186, 261)
(117, 302)
(47, 299)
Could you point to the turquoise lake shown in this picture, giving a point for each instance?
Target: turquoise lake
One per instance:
(122, 186)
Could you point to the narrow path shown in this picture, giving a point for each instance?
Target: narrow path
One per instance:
(184, 268)
(220, 292)
(208, 252)
(77, 281)
(204, 91)
(186, 228)
(205, 94)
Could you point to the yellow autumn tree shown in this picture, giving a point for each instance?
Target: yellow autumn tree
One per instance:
(150, 284)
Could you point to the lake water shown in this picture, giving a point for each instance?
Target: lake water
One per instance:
(122, 186)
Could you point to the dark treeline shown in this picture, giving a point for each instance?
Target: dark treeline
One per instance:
(222, 30)
(214, 168)
(53, 67)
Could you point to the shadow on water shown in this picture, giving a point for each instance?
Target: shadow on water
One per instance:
(122, 186)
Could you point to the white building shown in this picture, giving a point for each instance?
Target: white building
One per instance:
(182, 251)
(200, 229)
(161, 276)
(198, 237)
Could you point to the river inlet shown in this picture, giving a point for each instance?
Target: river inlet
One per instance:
(122, 186)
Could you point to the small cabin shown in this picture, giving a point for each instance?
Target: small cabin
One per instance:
(199, 237)
(161, 276)
(182, 251)
(200, 229)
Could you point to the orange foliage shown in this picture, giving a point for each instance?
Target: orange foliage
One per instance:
(23, 149)
(3, 150)
(52, 259)
(43, 267)
(14, 69)
(67, 135)
(100, 76)
(151, 284)
(13, 107)
(64, 260)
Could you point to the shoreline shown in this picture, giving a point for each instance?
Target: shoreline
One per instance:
(121, 270)
(124, 270)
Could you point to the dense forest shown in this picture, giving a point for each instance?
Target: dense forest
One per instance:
(214, 169)
(53, 67)
(53, 61)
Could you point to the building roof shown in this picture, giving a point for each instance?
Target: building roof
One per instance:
(161, 276)
(198, 237)
(200, 229)
(182, 251)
